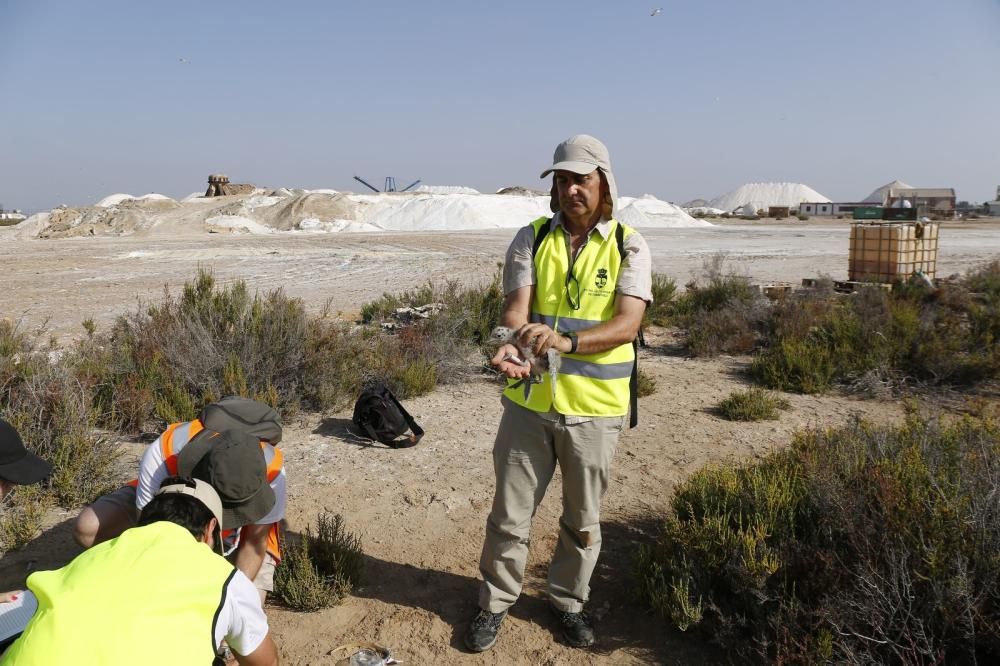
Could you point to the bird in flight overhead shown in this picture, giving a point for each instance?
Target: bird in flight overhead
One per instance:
(656, 11)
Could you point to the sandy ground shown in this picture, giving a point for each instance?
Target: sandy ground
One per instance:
(421, 511)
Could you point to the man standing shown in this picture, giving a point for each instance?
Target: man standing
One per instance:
(578, 283)
(157, 594)
(243, 464)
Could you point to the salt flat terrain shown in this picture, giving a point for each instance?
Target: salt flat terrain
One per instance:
(63, 281)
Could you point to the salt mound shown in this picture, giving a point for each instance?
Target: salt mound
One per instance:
(289, 213)
(764, 195)
(448, 212)
(311, 224)
(445, 189)
(704, 210)
(237, 224)
(113, 200)
(648, 211)
(881, 194)
(520, 190)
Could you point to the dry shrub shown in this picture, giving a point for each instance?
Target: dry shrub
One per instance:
(720, 312)
(752, 405)
(646, 384)
(862, 545)
(51, 408)
(21, 515)
(662, 310)
(165, 361)
(319, 568)
(875, 341)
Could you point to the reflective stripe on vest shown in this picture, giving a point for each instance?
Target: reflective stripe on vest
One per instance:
(176, 436)
(587, 384)
(150, 595)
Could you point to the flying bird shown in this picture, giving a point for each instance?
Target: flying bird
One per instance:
(182, 60)
(656, 11)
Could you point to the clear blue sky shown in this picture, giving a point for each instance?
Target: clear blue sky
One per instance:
(843, 95)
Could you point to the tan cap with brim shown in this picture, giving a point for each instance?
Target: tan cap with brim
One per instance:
(201, 491)
(582, 154)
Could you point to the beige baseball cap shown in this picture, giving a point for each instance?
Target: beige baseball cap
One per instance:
(582, 154)
(201, 491)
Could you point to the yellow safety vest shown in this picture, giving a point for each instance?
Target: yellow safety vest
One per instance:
(587, 384)
(150, 596)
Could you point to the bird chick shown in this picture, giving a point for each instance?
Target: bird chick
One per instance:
(550, 361)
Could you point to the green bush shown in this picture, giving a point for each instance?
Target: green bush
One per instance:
(720, 312)
(660, 312)
(752, 405)
(646, 384)
(320, 569)
(802, 217)
(862, 545)
(51, 408)
(936, 336)
(21, 515)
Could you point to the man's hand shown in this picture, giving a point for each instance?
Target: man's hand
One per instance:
(504, 360)
(545, 338)
(7, 597)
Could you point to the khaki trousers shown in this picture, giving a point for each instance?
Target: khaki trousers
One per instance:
(527, 448)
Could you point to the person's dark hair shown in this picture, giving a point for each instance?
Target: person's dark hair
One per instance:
(182, 510)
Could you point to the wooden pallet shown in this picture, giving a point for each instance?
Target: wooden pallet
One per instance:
(849, 286)
(774, 290)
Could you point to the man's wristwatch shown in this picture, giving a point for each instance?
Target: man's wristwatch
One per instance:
(573, 342)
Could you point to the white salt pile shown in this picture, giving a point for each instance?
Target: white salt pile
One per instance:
(764, 195)
(881, 194)
(648, 211)
(448, 212)
(445, 189)
(324, 211)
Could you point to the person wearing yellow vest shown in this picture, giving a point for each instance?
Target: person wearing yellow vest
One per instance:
(577, 283)
(246, 468)
(156, 594)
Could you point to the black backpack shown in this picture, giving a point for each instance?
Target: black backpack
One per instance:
(380, 416)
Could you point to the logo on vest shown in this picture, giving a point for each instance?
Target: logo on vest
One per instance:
(602, 278)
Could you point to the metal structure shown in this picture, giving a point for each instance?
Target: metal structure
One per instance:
(390, 184)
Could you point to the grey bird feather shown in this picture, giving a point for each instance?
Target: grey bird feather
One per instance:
(550, 361)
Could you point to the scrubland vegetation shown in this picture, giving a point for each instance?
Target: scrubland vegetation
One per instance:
(862, 544)
(865, 544)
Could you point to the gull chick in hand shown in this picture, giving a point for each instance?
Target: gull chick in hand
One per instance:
(550, 361)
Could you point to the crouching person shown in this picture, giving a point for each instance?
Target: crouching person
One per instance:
(157, 594)
(233, 446)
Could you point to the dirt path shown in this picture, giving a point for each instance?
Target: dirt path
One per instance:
(421, 512)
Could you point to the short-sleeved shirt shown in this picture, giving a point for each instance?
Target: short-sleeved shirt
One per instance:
(634, 279)
(241, 622)
(153, 470)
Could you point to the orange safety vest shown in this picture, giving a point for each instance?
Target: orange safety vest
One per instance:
(171, 443)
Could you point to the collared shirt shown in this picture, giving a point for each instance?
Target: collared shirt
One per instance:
(634, 279)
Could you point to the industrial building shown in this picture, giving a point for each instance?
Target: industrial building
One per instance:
(928, 201)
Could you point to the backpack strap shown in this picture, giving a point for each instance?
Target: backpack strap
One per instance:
(540, 236)
(418, 432)
(640, 341)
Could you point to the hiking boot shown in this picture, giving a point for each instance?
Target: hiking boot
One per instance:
(576, 629)
(482, 633)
